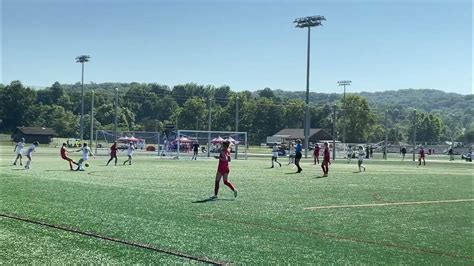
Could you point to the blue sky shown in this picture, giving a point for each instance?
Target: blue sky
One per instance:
(248, 45)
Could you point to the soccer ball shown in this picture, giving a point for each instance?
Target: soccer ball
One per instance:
(86, 165)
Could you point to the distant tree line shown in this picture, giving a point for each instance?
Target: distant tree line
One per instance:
(150, 107)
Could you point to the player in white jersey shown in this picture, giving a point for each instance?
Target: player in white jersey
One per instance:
(361, 156)
(275, 156)
(29, 152)
(349, 154)
(19, 150)
(86, 151)
(129, 154)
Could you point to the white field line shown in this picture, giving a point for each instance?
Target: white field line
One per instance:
(387, 204)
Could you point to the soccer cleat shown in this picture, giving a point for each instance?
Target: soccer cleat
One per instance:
(235, 193)
(14, 163)
(21, 164)
(213, 197)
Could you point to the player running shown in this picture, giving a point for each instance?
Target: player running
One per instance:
(291, 156)
(421, 156)
(129, 154)
(86, 152)
(275, 156)
(113, 153)
(19, 150)
(326, 160)
(298, 155)
(361, 156)
(316, 154)
(29, 153)
(349, 154)
(223, 170)
(195, 151)
(64, 155)
(404, 152)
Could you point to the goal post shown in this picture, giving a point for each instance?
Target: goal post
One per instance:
(210, 142)
(145, 142)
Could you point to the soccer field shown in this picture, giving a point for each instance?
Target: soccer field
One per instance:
(155, 211)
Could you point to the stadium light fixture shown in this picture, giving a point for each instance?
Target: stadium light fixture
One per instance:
(308, 22)
(344, 83)
(82, 59)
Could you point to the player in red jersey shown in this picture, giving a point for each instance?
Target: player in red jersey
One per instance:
(113, 153)
(326, 159)
(316, 154)
(421, 156)
(223, 170)
(64, 155)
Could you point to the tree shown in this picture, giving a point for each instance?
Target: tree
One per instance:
(293, 114)
(359, 120)
(266, 93)
(17, 108)
(193, 113)
(428, 127)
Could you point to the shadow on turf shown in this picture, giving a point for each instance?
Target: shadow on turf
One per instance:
(210, 200)
(58, 170)
(292, 173)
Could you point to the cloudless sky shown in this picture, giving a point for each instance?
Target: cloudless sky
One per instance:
(248, 45)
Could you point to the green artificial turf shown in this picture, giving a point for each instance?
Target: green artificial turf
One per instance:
(161, 202)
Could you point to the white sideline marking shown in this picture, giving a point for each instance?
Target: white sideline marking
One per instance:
(387, 204)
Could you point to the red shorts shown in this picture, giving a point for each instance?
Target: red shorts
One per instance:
(223, 170)
(66, 158)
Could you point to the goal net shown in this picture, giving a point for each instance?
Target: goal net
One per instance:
(145, 142)
(210, 143)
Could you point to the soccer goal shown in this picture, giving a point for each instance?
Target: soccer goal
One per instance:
(145, 142)
(210, 143)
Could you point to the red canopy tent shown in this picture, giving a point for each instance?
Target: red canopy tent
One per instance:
(128, 139)
(217, 140)
(232, 140)
(183, 140)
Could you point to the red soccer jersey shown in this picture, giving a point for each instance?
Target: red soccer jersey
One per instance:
(316, 151)
(63, 152)
(224, 159)
(113, 150)
(422, 153)
(327, 156)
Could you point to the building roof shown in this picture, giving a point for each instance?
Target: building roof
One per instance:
(298, 133)
(37, 130)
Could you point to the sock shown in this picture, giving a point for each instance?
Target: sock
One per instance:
(227, 183)
(216, 187)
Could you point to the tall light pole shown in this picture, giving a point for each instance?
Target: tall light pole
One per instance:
(414, 133)
(308, 22)
(116, 114)
(82, 59)
(91, 138)
(344, 83)
(236, 123)
(334, 134)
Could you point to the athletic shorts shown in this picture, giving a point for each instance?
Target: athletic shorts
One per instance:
(298, 155)
(223, 170)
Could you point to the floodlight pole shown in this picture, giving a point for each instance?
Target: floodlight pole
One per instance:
(116, 113)
(236, 122)
(344, 83)
(308, 22)
(209, 128)
(386, 136)
(92, 121)
(414, 133)
(82, 59)
(334, 134)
